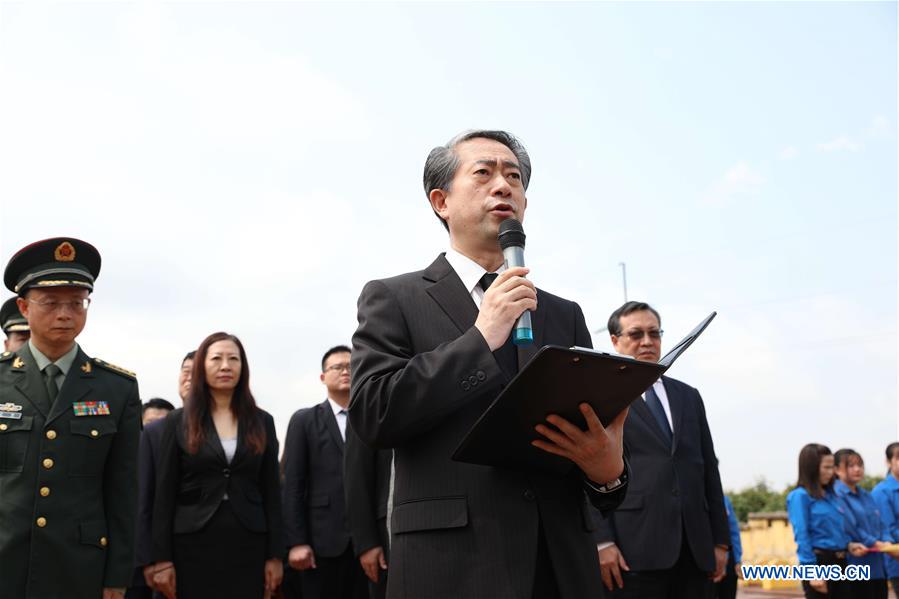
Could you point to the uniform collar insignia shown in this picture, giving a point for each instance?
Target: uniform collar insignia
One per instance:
(86, 368)
(18, 363)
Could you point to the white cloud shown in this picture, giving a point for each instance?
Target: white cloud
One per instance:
(880, 128)
(788, 153)
(839, 144)
(740, 180)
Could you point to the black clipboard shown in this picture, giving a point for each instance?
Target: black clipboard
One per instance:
(556, 381)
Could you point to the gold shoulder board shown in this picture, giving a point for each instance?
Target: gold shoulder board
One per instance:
(116, 369)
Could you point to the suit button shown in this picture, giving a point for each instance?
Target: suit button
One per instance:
(95, 433)
(529, 495)
(227, 472)
(103, 542)
(482, 376)
(45, 491)
(465, 386)
(48, 463)
(41, 522)
(3, 426)
(473, 380)
(51, 434)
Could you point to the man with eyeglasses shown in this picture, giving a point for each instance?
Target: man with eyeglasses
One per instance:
(14, 325)
(670, 537)
(69, 430)
(315, 522)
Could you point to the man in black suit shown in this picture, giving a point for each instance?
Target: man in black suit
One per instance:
(670, 536)
(366, 476)
(431, 352)
(148, 457)
(315, 520)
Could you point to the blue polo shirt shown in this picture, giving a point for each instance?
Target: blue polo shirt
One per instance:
(817, 523)
(886, 496)
(865, 526)
(734, 527)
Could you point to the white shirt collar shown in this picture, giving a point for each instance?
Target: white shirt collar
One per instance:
(335, 407)
(468, 270)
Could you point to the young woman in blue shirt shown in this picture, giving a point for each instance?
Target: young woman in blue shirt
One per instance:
(865, 524)
(819, 520)
(886, 495)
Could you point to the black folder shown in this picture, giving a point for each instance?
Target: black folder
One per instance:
(556, 381)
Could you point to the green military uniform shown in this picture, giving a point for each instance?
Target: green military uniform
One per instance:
(68, 474)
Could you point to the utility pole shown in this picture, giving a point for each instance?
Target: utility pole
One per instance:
(624, 279)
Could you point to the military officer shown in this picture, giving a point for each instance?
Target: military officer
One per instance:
(14, 326)
(69, 430)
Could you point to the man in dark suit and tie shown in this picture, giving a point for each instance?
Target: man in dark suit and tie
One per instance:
(148, 458)
(670, 537)
(315, 522)
(431, 351)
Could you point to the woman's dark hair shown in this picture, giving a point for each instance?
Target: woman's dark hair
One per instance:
(892, 448)
(842, 456)
(810, 469)
(199, 400)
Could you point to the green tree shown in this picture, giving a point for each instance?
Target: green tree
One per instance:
(760, 497)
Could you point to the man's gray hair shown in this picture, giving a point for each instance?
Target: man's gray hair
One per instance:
(442, 162)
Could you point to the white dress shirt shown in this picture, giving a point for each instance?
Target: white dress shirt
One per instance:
(340, 415)
(470, 272)
(659, 388)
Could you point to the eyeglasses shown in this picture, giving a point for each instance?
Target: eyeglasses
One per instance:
(654, 334)
(339, 367)
(76, 306)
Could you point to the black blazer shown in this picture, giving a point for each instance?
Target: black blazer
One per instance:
(671, 490)
(366, 475)
(190, 487)
(314, 507)
(147, 457)
(422, 375)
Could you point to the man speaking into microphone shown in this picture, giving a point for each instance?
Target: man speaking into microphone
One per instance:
(432, 350)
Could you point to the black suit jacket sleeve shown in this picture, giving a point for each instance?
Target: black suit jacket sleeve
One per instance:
(146, 484)
(360, 468)
(295, 465)
(713, 491)
(167, 477)
(399, 393)
(270, 485)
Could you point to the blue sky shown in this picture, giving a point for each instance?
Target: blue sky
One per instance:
(248, 166)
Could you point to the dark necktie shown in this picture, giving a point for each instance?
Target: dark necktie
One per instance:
(51, 372)
(655, 406)
(507, 355)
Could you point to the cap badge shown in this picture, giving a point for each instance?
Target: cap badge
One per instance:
(65, 252)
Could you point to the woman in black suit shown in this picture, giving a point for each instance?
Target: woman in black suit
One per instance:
(217, 518)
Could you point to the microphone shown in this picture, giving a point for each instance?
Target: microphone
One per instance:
(511, 240)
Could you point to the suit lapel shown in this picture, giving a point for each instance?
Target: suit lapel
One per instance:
(527, 352)
(76, 385)
(677, 413)
(30, 382)
(213, 442)
(450, 294)
(330, 420)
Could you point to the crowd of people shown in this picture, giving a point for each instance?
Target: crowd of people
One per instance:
(837, 522)
(366, 499)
